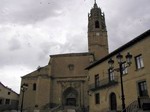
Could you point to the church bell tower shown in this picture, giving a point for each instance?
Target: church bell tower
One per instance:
(97, 33)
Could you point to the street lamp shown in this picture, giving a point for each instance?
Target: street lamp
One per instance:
(121, 68)
(24, 87)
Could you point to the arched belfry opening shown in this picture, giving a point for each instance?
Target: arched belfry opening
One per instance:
(96, 24)
(70, 96)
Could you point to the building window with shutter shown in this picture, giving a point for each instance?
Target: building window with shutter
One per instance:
(111, 75)
(125, 69)
(7, 101)
(142, 86)
(139, 62)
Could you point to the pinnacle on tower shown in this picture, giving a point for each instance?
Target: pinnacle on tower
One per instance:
(95, 4)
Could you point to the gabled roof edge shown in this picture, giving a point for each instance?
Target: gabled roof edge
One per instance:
(129, 44)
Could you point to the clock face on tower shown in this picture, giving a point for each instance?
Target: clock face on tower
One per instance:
(97, 34)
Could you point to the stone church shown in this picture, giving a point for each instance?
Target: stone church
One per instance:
(63, 82)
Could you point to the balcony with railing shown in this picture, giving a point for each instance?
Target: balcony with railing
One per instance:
(107, 82)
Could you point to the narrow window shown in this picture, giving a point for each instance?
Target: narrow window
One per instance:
(111, 75)
(7, 101)
(97, 98)
(139, 62)
(1, 101)
(96, 24)
(125, 70)
(142, 89)
(97, 80)
(34, 87)
(103, 25)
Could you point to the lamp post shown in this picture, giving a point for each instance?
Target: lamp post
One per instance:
(24, 87)
(121, 68)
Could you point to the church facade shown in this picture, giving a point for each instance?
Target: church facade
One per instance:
(85, 81)
(63, 82)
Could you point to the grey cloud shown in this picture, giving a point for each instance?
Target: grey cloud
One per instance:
(75, 43)
(18, 53)
(28, 11)
(14, 44)
(128, 20)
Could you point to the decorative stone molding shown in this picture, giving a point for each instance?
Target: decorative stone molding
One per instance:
(65, 85)
(71, 67)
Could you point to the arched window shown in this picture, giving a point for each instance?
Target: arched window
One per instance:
(34, 86)
(96, 24)
(113, 101)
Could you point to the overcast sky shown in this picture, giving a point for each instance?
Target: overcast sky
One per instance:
(31, 30)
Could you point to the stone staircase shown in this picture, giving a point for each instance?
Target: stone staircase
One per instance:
(70, 109)
(140, 105)
(66, 109)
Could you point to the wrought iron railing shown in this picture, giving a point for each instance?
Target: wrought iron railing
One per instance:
(133, 107)
(103, 83)
(144, 102)
(59, 107)
(137, 105)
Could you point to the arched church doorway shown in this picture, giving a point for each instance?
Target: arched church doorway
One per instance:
(113, 101)
(70, 96)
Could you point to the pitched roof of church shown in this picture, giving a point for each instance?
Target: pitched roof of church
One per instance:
(35, 73)
(71, 54)
(39, 70)
(125, 46)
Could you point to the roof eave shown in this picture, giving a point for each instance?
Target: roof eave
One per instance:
(129, 44)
